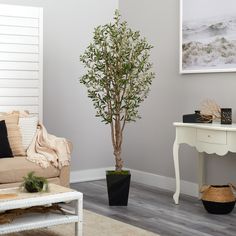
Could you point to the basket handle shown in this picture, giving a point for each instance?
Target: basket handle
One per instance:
(204, 188)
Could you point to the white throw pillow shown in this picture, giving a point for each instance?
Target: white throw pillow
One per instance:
(28, 127)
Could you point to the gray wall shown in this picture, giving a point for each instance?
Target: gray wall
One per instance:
(67, 110)
(148, 142)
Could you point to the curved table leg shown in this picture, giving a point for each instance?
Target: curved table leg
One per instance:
(201, 172)
(177, 175)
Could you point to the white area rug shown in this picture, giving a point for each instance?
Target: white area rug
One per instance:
(94, 225)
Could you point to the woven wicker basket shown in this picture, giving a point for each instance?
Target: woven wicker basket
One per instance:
(218, 199)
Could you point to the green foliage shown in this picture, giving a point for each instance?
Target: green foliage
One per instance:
(33, 183)
(118, 74)
(114, 172)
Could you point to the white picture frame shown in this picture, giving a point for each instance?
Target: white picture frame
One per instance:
(190, 36)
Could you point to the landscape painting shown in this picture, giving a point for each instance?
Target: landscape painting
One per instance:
(208, 36)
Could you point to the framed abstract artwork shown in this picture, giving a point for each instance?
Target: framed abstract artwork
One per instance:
(207, 36)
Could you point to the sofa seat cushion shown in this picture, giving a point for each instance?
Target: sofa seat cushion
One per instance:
(14, 169)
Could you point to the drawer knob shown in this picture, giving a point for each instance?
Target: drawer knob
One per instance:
(208, 135)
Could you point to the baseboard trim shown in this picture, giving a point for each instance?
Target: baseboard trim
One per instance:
(138, 176)
(88, 175)
(164, 182)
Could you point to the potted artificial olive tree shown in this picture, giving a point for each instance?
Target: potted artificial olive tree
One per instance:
(118, 78)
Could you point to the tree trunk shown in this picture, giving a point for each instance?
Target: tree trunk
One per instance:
(117, 146)
(119, 161)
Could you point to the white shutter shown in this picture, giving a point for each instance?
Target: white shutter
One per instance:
(21, 58)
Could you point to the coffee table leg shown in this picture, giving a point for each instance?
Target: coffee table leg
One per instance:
(79, 212)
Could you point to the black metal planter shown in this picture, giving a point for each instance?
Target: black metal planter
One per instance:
(118, 188)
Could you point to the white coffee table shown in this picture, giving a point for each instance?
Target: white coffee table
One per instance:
(57, 194)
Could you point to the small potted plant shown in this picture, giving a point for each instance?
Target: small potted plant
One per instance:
(118, 79)
(33, 183)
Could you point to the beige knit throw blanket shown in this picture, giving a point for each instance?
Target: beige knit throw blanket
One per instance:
(47, 149)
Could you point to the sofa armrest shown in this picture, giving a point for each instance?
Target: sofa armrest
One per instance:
(65, 176)
(65, 170)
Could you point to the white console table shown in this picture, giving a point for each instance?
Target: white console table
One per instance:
(209, 138)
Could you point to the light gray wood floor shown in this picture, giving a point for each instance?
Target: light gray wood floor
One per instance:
(153, 209)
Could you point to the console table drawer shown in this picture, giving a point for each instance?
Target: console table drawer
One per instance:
(211, 136)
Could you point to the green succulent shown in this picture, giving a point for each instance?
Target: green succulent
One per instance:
(33, 183)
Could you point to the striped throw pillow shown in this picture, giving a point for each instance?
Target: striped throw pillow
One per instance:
(28, 127)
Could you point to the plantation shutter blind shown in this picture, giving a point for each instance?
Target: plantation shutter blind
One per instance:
(21, 58)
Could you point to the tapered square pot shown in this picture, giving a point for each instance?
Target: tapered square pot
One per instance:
(118, 188)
